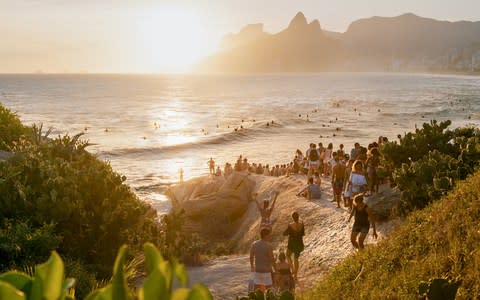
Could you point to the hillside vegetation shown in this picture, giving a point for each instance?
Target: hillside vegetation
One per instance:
(437, 250)
(440, 241)
(57, 196)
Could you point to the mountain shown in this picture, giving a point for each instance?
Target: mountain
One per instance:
(302, 46)
(248, 34)
(409, 39)
(403, 43)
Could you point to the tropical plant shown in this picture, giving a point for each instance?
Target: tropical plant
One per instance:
(48, 282)
(427, 163)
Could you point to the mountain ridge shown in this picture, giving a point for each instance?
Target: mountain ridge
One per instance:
(407, 42)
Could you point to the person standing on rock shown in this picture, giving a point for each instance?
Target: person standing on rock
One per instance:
(266, 212)
(364, 218)
(262, 261)
(211, 166)
(295, 232)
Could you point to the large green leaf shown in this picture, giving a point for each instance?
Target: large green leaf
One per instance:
(154, 287)
(199, 292)
(9, 292)
(153, 258)
(102, 294)
(47, 284)
(181, 274)
(119, 282)
(20, 281)
(180, 294)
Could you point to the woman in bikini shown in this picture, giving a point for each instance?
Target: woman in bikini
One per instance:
(363, 220)
(283, 274)
(295, 246)
(266, 211)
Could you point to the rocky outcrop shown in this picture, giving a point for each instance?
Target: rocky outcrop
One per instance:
(385, 203)
(213, 205)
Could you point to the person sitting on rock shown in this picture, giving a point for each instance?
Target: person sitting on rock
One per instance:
(311, 191)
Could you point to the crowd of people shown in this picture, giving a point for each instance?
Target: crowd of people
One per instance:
(353, 176)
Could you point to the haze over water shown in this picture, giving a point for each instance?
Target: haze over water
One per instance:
(150, 126)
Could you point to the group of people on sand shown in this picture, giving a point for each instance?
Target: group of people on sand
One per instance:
(270, 270)
(353, 177)
(350, 174)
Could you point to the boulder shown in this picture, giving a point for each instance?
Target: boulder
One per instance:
(385, 203)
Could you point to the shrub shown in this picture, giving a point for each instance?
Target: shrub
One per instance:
(427, 163)
(22, 245)
(11, 129)
(58, 181)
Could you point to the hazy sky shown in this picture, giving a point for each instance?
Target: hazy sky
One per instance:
(168, 35)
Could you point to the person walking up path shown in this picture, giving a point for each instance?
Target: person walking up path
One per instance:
(363, 220)
(295, 232)
(262, 261)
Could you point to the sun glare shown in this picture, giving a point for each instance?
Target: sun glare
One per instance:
(171, 40)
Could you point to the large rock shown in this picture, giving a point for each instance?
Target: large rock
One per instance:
(213, 205)
(385, 203)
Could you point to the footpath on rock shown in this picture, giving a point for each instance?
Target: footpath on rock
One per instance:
(327, 232)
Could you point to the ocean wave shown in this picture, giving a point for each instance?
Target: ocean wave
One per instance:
(240, 134)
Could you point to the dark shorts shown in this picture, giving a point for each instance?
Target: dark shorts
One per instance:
(296, 250)
(338, 187)
(361, 228)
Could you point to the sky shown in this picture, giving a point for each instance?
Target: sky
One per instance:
(164, 36)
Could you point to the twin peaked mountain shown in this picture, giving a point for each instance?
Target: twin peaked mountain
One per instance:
(403, 43)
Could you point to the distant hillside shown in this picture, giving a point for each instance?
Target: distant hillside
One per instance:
(302, 46)
(403, 43)
(411, 41)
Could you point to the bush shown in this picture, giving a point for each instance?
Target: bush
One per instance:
(58, 181)
(426, 164)
(22, 245)
(11, 129)
(61, 197)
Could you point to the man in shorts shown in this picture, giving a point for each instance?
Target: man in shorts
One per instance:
(338, 177)
(261, 261)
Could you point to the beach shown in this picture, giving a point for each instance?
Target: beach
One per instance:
(327, 232)
(150, 126)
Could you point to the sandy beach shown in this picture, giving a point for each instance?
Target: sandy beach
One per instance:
(327, 238)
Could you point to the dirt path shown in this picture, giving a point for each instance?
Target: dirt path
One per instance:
(327, 242)
(226, 277)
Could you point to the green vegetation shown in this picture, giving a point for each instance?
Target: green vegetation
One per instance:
(435, 254)
(57, 196)
(48, 282)
(441, 241)
(426, 164)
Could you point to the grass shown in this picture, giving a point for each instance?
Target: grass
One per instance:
(440, 241)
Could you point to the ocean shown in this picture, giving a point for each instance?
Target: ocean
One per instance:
(150, 126)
